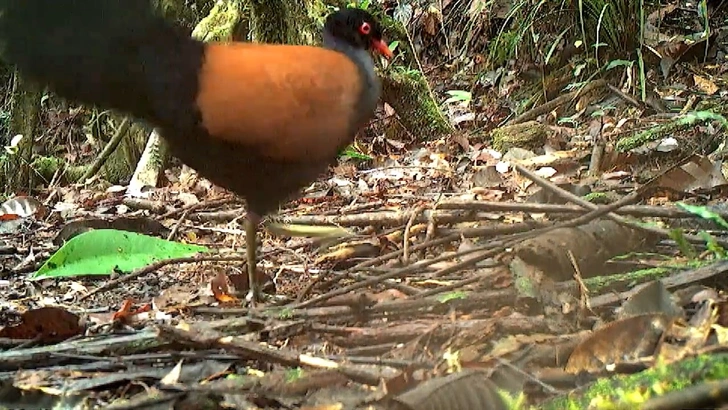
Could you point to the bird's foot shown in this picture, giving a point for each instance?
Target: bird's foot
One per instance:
(254, 298)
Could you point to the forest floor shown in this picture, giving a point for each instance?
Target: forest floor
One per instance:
(570, 257)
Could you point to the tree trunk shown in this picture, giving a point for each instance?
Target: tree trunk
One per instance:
(408, 92)
(279, 21)
(405, 88)
(24, 120)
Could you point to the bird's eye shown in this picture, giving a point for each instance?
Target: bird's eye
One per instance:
(365, 28)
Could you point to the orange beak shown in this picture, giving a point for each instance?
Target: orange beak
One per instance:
(381, 47)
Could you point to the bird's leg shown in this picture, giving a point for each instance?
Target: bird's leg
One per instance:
(251, 231)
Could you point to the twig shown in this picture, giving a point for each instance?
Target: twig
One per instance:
(284, 356)
(547, 387)
(405, 248)
(108, 149)
(562, 99)
(384, 218)
(597, 156)
(140, 203)
(625, 97)
(468, 233)
(418, 167)
(645, 211)
(514, 241)
(202, 204)
(415, 267)
(176, 226)
(159, 264)
(353, 208)
(219, 216)
(578, 278)
(598, 211)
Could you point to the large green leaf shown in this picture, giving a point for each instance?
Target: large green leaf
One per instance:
(101, 251)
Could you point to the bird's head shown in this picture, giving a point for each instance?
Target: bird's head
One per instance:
(357, 28)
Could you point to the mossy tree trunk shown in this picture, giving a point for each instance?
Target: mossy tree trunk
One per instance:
(408, 92)
(280, 21)
(221, 23)
(121, 163)
(25, 121)
(405, 88)
(185, 12)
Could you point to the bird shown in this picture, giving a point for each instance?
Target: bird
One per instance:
(261, 120)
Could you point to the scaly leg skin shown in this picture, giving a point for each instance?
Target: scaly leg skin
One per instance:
(251, 231)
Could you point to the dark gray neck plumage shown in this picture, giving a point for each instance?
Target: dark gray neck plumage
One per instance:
(371, 89)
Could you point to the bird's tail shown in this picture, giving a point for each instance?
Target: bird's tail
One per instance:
(113, 53)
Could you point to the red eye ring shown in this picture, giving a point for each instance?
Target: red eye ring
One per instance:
(365, 28)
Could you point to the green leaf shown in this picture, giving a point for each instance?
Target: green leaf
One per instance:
(555, 43)
(454, 295)
(352, 153)
(685, 247)
(619, 63)
(693, 117)
(712, 244)
(102, 251)
(363, 4)
(459, 95)
(704, 213)
(294, 374)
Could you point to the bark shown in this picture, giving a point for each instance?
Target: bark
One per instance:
(405, 88)
(221, 22)
(25, 121)
(280, 21)
(408, 92)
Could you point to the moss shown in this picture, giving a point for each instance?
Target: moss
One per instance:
(637, 140)
(220, 23)
(394, 30)
(624, 392)
(317, 13)
(597, 198)
(24, 120)
(116, 168)
(408, 93)
(281, 22)
(626, 280)
(74, 173)
(183, 12)
(688, 121)
(527, 135)
(47, 166)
